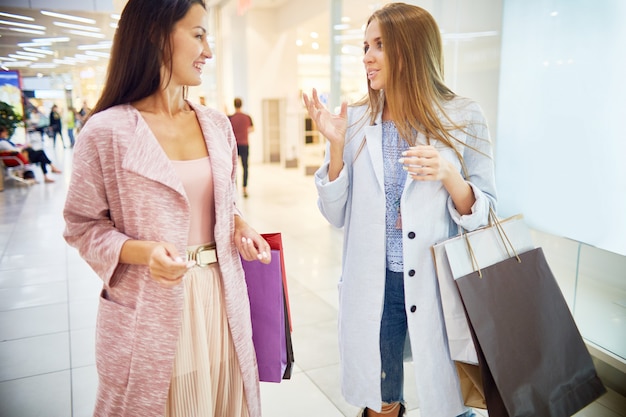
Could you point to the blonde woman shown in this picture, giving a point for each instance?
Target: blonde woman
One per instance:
(404, 169)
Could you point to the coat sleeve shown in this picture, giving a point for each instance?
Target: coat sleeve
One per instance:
(478, 157)
(332, 195)
(88, 224)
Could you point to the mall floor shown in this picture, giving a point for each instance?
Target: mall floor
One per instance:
(48, 302)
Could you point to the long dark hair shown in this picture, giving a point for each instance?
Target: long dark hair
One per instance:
(140, 47)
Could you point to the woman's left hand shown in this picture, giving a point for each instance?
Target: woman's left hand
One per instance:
(250, 244)
(424, 163)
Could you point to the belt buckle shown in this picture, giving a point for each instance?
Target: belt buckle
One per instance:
(204, 256)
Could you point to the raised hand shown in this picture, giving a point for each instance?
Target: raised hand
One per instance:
(332, 126)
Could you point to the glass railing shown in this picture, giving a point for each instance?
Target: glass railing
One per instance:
(593, 282)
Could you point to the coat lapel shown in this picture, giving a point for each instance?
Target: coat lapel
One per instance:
(145, 156)
(220, 154)
(374, 141)
(222, 166)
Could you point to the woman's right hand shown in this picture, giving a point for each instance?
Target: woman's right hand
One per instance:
(332, 126)
(166, 266)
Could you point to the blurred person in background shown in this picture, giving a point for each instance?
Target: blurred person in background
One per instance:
(55, 126)
(70, 123)
(27, 155)
(242, 127)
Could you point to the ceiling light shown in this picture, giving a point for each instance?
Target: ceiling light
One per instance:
(32, 32)
(103, 45)
(86, 57)
(30, 54)
(116, 16)
(17, 16)
(44, 65)
(113, 25)
(29, 58)
(27, 44)
(64, 61)
(18, 64)
(89, 34)
(315, 45)
(6, 58)
(100, 54)
(57, 39)
(299, 42)
(22, 25)
(68, 17)
(79, 27)
(315, 35)
(39, 51)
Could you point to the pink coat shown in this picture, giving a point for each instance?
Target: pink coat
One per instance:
(123, 186)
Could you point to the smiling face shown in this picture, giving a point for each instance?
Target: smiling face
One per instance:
(190, 47)
(374, 60)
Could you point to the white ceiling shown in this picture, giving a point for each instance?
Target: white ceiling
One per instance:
(63, 56)
(46, 57)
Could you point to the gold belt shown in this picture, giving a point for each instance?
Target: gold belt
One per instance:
(203, 255)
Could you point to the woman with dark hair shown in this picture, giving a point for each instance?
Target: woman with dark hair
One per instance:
(404, 169)
(151, 208)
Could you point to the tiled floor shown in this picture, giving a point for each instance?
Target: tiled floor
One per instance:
(48, 302)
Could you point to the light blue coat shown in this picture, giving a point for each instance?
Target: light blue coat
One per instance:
(356, 202)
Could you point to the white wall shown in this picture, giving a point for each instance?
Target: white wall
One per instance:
(561, 112)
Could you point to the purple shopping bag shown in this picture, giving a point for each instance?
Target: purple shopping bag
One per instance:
(270, 323)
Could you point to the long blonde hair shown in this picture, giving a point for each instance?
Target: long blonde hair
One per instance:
(414, 89)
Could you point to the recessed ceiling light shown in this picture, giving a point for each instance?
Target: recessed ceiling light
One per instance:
(43, 65)
(39, 51)
(17, 16)
(22, 25)
(31, 54)
(103, 45)
(68, 17)
(27, 44)
(29, 58)
(99, 54)
(88, 34)
(57, 39)
(31, 31)
(78, 27)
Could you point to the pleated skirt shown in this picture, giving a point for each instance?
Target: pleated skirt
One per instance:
(206, 380)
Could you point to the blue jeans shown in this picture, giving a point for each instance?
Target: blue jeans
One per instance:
(393, 331)
(393, 328)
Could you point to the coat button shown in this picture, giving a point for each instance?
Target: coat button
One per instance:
(412, 272)
(411, 235)
(413, 309)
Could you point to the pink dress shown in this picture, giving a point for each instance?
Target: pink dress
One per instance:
(206, 379)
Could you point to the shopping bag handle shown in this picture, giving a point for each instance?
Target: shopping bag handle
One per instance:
(494, 222)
